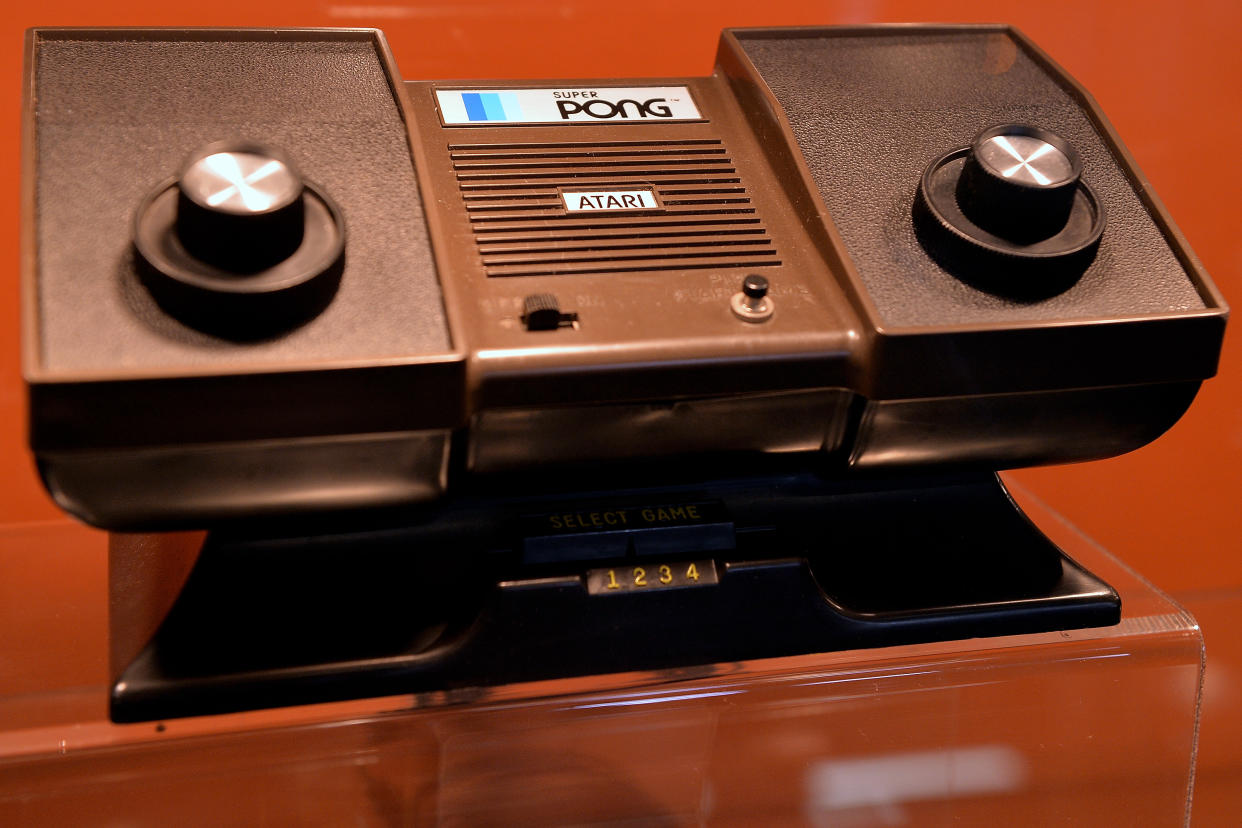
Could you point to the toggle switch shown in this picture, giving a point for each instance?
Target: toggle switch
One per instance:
(542, 312)
(752, 302)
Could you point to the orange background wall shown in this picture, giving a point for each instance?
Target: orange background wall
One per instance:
(1169, 76)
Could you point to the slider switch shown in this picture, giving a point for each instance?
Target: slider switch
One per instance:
(542, 312)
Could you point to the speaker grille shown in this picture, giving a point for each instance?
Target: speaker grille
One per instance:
(512, 197)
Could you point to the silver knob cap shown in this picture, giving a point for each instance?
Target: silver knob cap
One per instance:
(240, 207)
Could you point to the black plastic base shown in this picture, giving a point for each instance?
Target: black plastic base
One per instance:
(480, 595)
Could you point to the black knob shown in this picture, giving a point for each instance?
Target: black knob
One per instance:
(1019, 182)
(238, 245)
(755, 286)
(240, 207)
(1011, 213)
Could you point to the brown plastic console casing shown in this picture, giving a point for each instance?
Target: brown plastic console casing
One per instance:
(801, 167)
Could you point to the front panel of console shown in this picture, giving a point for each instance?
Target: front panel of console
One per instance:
(649, 358)
(640, 284)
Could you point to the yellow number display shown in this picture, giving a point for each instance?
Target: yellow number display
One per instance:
(654, 577)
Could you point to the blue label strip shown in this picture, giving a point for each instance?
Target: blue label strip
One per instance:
(491, 106)
(513, 111)
(474, 106)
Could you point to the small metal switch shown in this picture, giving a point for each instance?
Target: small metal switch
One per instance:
(752, 302)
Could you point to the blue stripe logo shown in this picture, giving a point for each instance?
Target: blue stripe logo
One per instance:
(491, 106)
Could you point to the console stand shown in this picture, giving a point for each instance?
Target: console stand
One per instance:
(492, 592)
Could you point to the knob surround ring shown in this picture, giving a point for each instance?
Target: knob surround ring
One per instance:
(229, 303)
(992, 261)
(938, 194)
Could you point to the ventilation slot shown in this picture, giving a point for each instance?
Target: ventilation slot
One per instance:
(512, 196)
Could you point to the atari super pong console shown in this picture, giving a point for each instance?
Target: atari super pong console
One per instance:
(763, 336)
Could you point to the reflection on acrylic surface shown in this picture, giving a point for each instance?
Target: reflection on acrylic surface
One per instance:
(870, 790)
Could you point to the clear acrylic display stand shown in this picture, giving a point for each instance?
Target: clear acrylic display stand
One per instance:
(1091, 726)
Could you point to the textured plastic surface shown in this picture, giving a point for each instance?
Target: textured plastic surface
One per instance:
(870, 112)
(107, 135)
